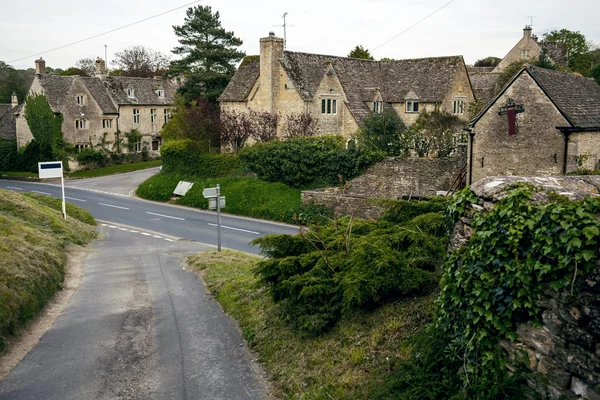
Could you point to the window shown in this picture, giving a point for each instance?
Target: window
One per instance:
(328, 106)
(524, 53)
(80, 124)
(106, 123)
(377, 107)
(130, 92)
(80, 147)
(412, 106)
(137, 147)
(167, 115)
(459, 106)
(160, 93)
(153, 115)
(156, 144)
(80, 99)
(136, 116)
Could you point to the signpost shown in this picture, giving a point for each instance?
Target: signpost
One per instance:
(215, 201)
(54, 169)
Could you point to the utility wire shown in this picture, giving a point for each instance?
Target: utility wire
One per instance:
(412, 26)
(105, 33)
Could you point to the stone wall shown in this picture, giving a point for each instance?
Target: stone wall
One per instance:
(392, 178)
(565, 350)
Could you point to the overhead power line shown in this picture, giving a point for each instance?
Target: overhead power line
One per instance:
(412, 26)
(105, 33)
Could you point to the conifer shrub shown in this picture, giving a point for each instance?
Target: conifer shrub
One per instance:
(348, 264)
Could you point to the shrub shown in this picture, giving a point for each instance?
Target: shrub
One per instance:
(92, 158)
(9, 155)
(384, 132)
(183, 157)
(334, 268)
(305, 162)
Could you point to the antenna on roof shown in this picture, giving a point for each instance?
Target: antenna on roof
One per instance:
(284, 26)
(531, 21)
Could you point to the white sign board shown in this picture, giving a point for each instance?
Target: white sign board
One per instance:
(50, 169)
(182, 188)
(212, 202)
(209, 192)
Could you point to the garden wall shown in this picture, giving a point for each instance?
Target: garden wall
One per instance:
(565, 350)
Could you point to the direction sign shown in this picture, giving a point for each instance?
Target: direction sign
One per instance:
(209, 192)
(212, 203)
(182, 188)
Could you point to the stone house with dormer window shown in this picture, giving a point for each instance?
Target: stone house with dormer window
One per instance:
(339, 91)
(100, 109)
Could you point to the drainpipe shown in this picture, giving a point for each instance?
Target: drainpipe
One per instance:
(471, 139)
(566, 134)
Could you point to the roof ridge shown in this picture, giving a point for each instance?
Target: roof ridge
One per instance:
(376, 61)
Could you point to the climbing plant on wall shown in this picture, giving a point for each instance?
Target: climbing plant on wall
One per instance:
(45, 127)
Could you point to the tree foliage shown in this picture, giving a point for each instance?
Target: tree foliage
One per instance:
(439, 129)
(384, 132)
(596, 74)
(14, 81)
(141, 61)
(198, 121)
(208, 54)
(575, 42)
(488, 62)
(45, 126)
(360, 52)
(302, 124)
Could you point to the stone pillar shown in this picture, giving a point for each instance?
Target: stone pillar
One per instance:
(271, 51)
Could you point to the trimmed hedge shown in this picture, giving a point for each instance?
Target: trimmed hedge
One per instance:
(183, 157)
(307, 162)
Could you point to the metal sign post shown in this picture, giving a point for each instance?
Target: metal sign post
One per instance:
(54, 169)
(215, 201)
(218, 218)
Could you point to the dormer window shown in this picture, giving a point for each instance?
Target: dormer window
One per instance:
(377, 107)
(160, 93)
(81, 100)
(130, 92)
(412, 106)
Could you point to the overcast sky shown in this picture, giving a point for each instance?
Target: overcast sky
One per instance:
(472, 28)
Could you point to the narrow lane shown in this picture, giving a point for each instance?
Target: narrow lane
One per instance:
(181, 222)
(139, 327)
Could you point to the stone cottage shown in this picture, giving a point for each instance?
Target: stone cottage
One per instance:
(543, 123)
(99, 110)
(8, 118)
(340, 91)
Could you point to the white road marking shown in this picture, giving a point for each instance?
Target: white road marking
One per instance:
(166, 216)
(73, 198)
(103, 224)
(169, 240)
(156, 236)
(122, 229)
(112, 226)
(236, 229)
(145, 234)
(134, 231)
(12, 187)
(109, 205)
(35, 191)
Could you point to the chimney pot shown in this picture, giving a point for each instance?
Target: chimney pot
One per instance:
(14, 100)
(527, 31)
(40, 66)
(100, 67)
(271, 34)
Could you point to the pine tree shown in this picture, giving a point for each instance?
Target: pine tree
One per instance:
(208, 54)
(360, 52)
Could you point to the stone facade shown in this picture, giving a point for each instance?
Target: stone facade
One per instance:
(283, 82)
(526, 49)
(393, 178)
(565, 350)
(560, 112)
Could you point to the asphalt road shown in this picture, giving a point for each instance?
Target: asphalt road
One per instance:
(139, 327)
(181, 222)
(117, 183)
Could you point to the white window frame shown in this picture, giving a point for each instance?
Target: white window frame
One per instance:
(167, 115)
(137, 147)
(130, 92)
(81, 124)
(160, 93)
(377, 107)
(328, 106)
(153, 116)
(80, 99)
(106, 123)
(136, 116)
(410, 106)
(458, 105)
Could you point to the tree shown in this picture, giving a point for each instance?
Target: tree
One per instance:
(141, 61)
(45, 127)
(436, 130)
(198, 121)
(300, 124)
(596, 74)
(360, 52)
(576, 43)
(87, 65)
(385, 132)
(208, 54)
(13, 81)
(544, 61)
(488, 62)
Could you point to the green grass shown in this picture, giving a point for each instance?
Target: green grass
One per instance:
(72, 210)
(33, 243)
(20, 174)
(347, 362)
(246, 196)
(114, 169)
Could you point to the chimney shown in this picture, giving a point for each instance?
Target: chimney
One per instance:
(527, 31)
(271, 51)
(40, 66)
(14, 100)
(100, 67)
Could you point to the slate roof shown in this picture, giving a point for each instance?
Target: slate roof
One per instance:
(428, 78)
(100, 94)
(56, 89)
(8, 123)
(144, 90)
(243, 80)
(576, 98)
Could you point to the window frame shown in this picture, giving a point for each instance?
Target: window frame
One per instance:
(137, 147)
(80, 98)
(153, 116)
(130, 92)
(136, 116)
(167, 115)
(107, 123)
(378, 107)
(160, 93)
(412, 107)
(81, 124)
(460, 102)
(328, 106)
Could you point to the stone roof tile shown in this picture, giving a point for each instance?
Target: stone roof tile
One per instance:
(243, 81)
(8, 123)
(144, 90)
(100, 95)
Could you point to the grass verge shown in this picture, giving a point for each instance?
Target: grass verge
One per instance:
(245, 196)
(20, 174)
(347, 362)
(33, 242)
(114, 169)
